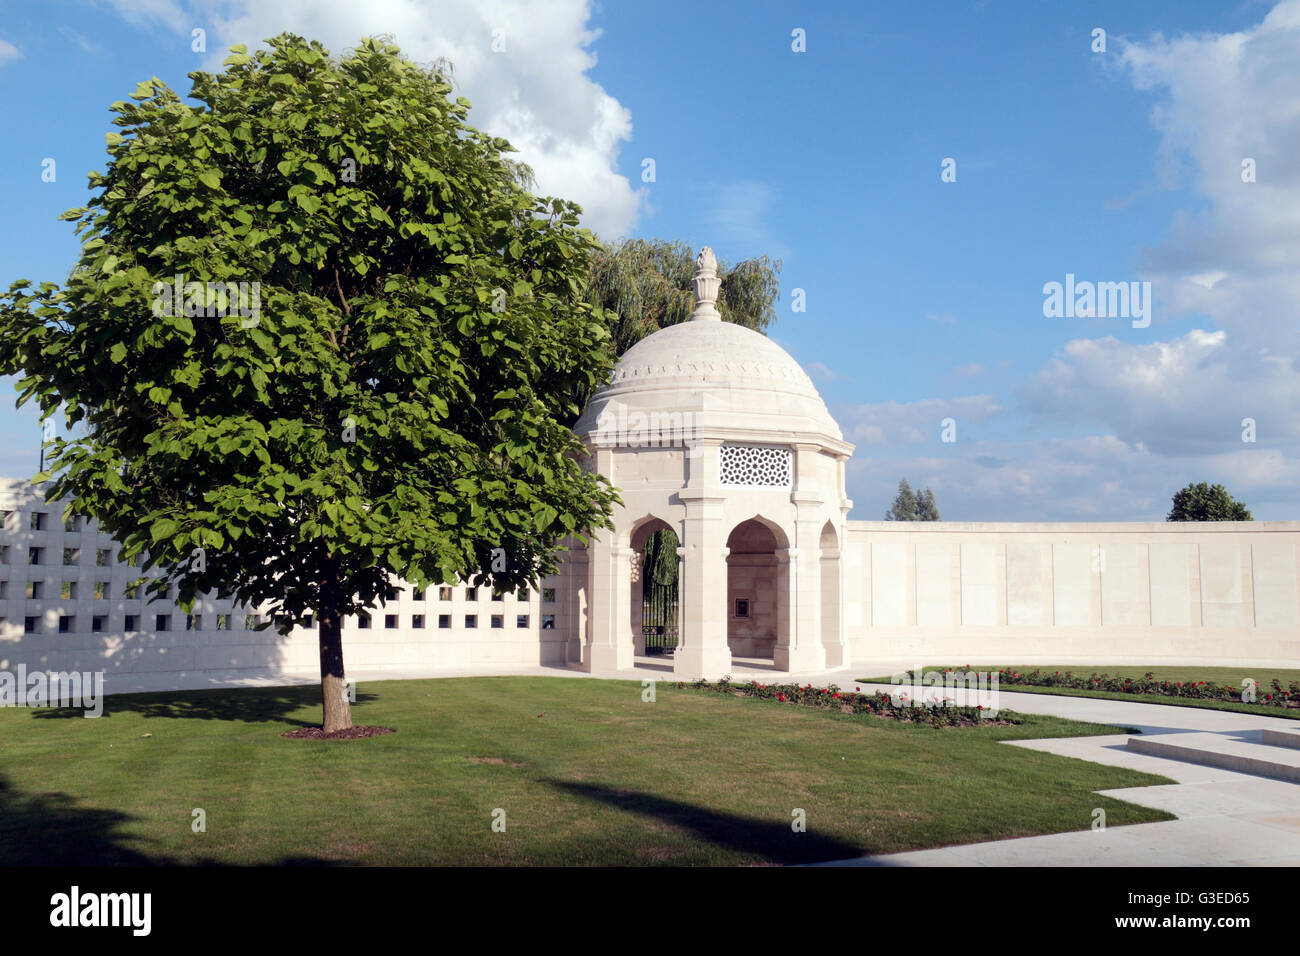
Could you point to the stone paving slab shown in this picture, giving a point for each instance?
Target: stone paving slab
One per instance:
(1225, 817)
(1230, 751)
(1281, 738)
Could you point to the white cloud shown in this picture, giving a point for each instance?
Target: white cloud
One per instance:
(1183, 397)
(148, 12)
(535, 93)
(1094, 478)
(819, 371)
(893, 423)
(1223, 99)
(81, 40)
(1175, 408)
(8, 52)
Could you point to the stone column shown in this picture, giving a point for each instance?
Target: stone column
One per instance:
(636, 603)
(704, 651)
(677, 610)
(572, 614)
(806, 652)
(610, 589)
(832, 569)
(787, 604)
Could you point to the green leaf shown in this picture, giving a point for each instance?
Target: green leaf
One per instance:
(210, 431)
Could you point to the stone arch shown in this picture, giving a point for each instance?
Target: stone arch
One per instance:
(638, 535)
(635, 534)
(756, 591)
(778, 533)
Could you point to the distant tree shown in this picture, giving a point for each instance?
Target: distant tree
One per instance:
(904, 506)
(926, 508)
(910, 506)
(1204, 502)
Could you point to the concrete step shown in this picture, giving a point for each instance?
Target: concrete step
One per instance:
(1218, 750)
(1281, 738)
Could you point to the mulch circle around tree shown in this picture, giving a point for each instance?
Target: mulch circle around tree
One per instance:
(352, 733)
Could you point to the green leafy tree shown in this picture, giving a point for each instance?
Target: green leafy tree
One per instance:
(659, 581)
(644, 285)
(910, 506)
(1202, 502)
(392, 407)
(926, 507)
(904, 506)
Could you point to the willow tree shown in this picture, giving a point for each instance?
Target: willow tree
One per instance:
(659, 579)
(644, 285)
(388, 399)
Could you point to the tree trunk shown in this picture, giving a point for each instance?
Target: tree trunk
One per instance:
(333, 685)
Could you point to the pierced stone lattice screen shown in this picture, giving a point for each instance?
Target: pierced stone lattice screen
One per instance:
(755, 466)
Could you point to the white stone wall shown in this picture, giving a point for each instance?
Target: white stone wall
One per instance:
(1217, 593)
(97, 636)
(947, 592)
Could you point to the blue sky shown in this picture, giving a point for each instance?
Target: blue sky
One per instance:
(925, 298)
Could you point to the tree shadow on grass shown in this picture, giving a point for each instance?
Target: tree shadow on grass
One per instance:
(53, 829)
(244, 704)
(772, 840)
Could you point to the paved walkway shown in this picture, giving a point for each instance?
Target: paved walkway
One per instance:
(645, 668)
(1225, 818)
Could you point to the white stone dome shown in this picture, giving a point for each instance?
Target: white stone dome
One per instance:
(733, 381)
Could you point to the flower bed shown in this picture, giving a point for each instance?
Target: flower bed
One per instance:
(1278, 696)
(847, 702)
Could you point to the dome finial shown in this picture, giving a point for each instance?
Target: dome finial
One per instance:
(706, 286)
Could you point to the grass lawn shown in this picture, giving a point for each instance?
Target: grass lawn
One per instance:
(1218, 675)
(586, 772)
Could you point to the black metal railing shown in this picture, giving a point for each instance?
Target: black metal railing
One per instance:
(659, 627)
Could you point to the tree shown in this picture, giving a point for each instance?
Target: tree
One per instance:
(391, 401)
(659, 580)
(1202, 502)
(644, 285)
(926, 508)
(909, 506)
